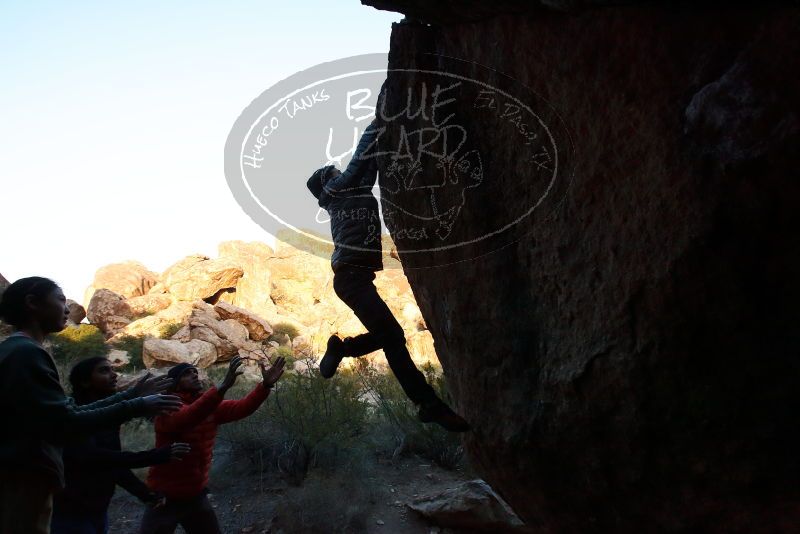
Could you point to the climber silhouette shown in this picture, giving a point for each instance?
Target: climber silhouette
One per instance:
(356, 229)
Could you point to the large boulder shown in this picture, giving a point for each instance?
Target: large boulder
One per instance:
(257, 328)
(127, 279)
(109, 311)
(472, 506)
(198, 277)
(149, 304)
(158, 289)
(253, 288)
(183, 333)
(169, 352)
(156, 325)
(227, 335)
(225, 349)
(299, 281)
(76, 312)
(118, 358)
(627, 352)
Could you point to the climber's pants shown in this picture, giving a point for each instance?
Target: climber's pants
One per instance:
(356, 289)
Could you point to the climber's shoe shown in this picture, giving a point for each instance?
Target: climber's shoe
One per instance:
(436, 411)
(333, 355)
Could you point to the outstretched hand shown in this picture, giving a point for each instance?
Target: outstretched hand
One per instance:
(274, 372)
(150, 385)
(161, 404)
(230, 376)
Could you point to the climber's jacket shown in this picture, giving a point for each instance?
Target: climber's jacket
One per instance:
(353, 210)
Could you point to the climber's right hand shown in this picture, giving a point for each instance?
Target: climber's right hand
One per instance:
(230, 376)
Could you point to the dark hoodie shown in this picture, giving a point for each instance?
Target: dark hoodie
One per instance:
(95, 467)
(37, 418)
(353, 210)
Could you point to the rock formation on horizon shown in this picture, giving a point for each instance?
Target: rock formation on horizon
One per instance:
(642, 370)
(222, 306)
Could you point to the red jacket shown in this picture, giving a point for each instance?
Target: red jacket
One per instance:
(196, 424)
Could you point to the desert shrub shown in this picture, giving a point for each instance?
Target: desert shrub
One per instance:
(286, 353)
(72, 344)
(324, 503)
(168, 330)
(78, 342)
(217, 372)
(399, 414)
(308, 421)
(284, 328)
(138, 435)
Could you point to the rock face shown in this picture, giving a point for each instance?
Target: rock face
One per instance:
(169, 352)
(471, 505)
(228, 335)
(216, 301)
(198, 277)
(257, 328)
(149, 304)
(118, 358)
(253, 288)
(154, 325)
(76, 312)
(629, 360)
(109, 311)
(127, 279)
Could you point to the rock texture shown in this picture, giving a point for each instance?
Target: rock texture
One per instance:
(144, 305)
(233, 302)
(256, 327)
(76, 312)
(472, 506)
(168, 352)
(118, 358)
(629, 359)
(128, 279)
(252, 290)
(199, 277)
(109, 311)
(154, 325)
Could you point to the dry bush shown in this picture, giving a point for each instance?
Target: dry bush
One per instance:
(306, 422)
(338, 503)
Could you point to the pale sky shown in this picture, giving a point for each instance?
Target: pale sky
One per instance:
(113, 120)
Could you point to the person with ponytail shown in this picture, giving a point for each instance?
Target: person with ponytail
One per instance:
(37, 418)
(95, 466)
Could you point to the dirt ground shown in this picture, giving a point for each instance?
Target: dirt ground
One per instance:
(248, 503)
